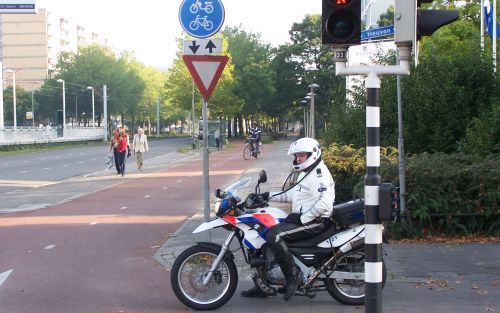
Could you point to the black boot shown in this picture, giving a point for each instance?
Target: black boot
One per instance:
(253, 292)
(292, 275)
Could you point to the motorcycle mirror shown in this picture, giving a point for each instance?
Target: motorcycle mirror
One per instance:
(262, 176)
(218, 193)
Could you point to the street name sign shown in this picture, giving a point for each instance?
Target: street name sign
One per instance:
(206, 71)
(203, 46)
(17, 6)
(377, 32)
(200, 18)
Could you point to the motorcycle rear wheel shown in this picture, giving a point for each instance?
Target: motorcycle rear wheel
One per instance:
(349, 291)
(188, 271)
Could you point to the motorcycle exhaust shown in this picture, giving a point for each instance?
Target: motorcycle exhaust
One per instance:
(350, 245)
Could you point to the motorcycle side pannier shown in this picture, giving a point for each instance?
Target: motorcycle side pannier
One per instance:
(349, 213)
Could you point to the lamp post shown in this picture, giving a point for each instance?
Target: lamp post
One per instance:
(93, 113)
(14, 95)
(304, 105)
(309, 112)
(64, 104)
(312, 86)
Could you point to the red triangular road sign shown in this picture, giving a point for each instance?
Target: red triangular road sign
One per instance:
(206, 71)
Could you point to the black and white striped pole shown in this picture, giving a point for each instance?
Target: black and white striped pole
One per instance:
(373, 226)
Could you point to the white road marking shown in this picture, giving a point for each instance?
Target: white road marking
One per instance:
(80, 162)
(46, 168)
(123, 208)
(4, 275)
(147, 196)
(179, 181)
(165, 188)
(65, 165)
(49, 247)
(22, 172)
(93, 223)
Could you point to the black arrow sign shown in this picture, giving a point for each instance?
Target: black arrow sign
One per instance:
(210, 46)
(194, 47)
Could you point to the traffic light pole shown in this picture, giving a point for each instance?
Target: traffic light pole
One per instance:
(373, 225)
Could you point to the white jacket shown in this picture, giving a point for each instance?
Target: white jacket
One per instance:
(140, 143)
(312, 197)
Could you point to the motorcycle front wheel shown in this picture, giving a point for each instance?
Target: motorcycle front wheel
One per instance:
(188, 272)
(350, 291)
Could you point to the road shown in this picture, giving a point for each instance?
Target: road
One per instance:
(70, 173)
(94, 253)
(31, 170)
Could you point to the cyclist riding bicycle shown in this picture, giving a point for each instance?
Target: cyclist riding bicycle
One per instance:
(255, 133)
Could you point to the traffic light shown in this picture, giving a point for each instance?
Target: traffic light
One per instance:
(389, 201)
(411, 22)
(428, 21)
(341, 22)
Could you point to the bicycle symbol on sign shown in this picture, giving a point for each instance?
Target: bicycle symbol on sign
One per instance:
(206, 6)
(201, 21)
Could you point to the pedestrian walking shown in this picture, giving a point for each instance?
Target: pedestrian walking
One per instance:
(217, 139)
(123, 148)
(113, 148)
(140, 146)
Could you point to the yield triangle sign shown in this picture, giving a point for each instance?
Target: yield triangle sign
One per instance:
(206, 71)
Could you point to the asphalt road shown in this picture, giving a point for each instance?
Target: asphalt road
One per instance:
(57, 165)
(37, 180)
(94, 252)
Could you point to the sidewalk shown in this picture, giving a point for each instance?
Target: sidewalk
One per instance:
(456, 278)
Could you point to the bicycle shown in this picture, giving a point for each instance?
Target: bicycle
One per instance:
(248, 151)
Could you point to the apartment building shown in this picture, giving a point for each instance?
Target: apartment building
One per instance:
(31, 43)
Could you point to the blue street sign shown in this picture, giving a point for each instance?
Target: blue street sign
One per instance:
(377, 32)
(200, 18)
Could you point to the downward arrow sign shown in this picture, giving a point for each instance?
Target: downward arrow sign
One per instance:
(194, 47)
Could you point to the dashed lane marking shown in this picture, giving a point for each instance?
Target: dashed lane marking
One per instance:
(123, 208)
(93, 223)
(4, 275)
(49, 247)
(147, 196)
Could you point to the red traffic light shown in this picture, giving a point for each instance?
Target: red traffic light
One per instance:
(341, 22)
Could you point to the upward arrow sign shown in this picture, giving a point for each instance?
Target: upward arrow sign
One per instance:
(210, 46)
(206, 71)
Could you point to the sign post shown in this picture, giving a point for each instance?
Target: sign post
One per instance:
(202, 19)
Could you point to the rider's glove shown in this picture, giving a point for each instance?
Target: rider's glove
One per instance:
(265, 195)
(293, 218)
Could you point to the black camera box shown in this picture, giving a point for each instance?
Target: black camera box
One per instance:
(349, 213)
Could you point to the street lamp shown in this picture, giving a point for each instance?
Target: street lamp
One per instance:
(64, 103)
(304, 105)
(14, 95)
(93, 113)
(312, 86)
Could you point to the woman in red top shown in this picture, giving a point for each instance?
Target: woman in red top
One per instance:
(123, 146)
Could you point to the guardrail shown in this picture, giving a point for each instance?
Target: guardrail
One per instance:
(44, 135)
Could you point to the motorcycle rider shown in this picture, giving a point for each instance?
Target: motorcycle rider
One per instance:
(312, 205)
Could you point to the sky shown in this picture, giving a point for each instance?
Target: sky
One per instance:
(150, 27)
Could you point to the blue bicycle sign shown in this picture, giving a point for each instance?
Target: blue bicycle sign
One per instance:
(201, 18)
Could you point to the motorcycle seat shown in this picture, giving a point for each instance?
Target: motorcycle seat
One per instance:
(313, 241)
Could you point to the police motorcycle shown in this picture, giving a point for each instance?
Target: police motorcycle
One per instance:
(205, 277)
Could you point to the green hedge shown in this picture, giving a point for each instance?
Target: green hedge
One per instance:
(450, 193)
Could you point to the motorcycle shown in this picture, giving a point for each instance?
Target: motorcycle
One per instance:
(204, 276)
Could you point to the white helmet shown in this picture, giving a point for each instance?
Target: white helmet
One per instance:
(305, 145)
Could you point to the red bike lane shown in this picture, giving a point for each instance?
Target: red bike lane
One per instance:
(95, 253)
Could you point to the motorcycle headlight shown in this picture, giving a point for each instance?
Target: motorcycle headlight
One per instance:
(216, 207)
(224, 206)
